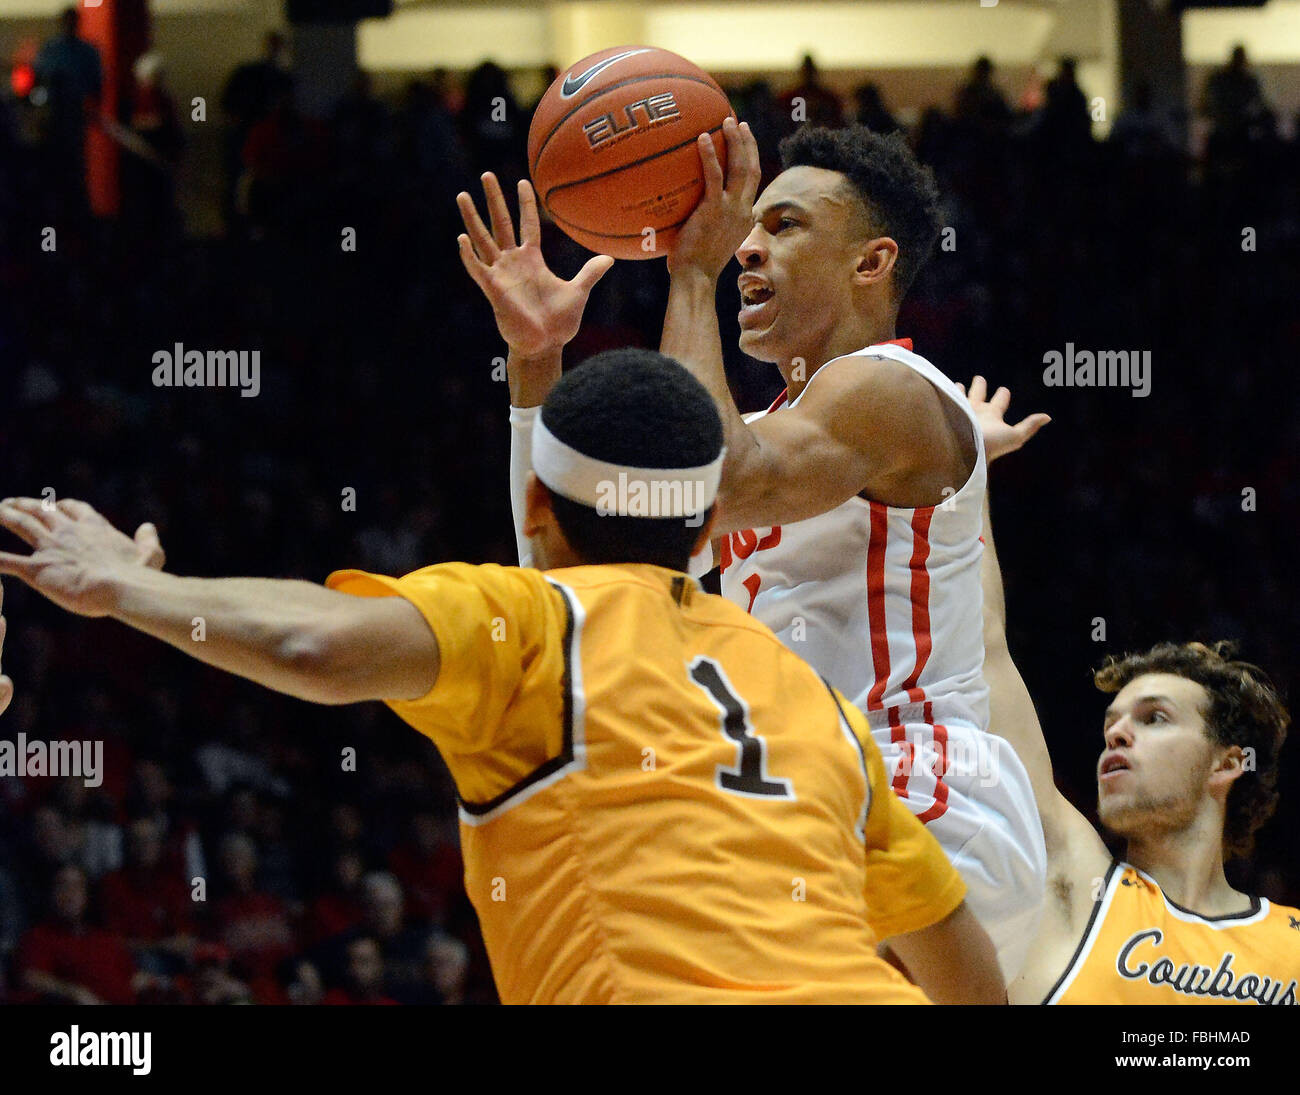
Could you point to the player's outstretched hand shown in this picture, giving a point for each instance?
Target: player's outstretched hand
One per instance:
(76, 553)
(6, 685)
(725, 215)
(536, 311)
(1000, 436)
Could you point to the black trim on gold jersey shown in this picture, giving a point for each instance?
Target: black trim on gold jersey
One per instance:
(1255, 906)
(1086, 934)
(862, 755)
(565, 756)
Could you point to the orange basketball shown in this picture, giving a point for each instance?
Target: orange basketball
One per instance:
(612, 148)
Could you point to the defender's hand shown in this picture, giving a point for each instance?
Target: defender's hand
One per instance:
(1000, 436)
(536, 312)
(725, 216)
(77, 553)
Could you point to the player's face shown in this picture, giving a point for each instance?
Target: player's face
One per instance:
(1152, 775)
(797, 265)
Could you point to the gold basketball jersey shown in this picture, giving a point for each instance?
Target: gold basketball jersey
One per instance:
(659, 802)
(1142, 948)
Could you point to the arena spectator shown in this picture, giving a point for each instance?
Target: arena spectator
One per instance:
(1233, 102)
(429, 868)
(339, 908)
(871, 110)
(64, 959)
(364, 981)
(148, 903)
(252, 925)
(809, 100)
(71, 74)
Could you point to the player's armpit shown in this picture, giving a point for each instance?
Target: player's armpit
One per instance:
(862, 425)
(953, 961)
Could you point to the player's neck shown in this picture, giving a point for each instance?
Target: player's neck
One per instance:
(1188, 868)
(847, 338)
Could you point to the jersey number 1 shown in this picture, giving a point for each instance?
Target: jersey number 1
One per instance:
(749, 777)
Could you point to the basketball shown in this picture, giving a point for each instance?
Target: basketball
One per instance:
(611, 150)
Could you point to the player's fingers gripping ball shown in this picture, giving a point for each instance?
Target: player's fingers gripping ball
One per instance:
(612, 149)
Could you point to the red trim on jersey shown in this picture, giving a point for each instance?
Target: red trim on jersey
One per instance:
(876, 603)
(921, 637)
(906, 752)
(906, 343)
(940, 805)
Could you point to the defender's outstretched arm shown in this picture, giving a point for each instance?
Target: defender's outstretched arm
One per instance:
(293, 636)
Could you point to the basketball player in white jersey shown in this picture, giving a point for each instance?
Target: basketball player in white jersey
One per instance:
(850, 512)
(1187, 774)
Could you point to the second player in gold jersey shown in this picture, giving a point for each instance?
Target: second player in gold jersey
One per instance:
(1139, 947)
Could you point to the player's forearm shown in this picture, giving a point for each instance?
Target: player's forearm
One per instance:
(953, 961)
(266, 630)
(531, 378)
(691, 336)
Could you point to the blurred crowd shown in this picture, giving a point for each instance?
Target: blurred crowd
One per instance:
(245, 847)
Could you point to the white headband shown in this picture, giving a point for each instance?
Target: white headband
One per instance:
(616, 489)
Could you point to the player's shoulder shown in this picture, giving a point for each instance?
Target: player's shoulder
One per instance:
(494, 574)
(497, 584)
(888, 379)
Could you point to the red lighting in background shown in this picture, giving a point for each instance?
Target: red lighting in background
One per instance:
(22, 79)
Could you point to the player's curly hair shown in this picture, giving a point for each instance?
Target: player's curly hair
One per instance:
(1244, 709)
(900, 193)
(642, 409)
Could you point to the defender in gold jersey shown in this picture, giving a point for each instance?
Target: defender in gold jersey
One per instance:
(659, 802)
(1187, 775)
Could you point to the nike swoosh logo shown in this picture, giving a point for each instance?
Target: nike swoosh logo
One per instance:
(574, 84)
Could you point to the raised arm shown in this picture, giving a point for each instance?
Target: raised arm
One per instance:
(292, 636)
(537, 314)
(953, 961)
(704, 246)
(1012, 714)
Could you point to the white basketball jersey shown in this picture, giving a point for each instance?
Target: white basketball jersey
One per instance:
(884, 602)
